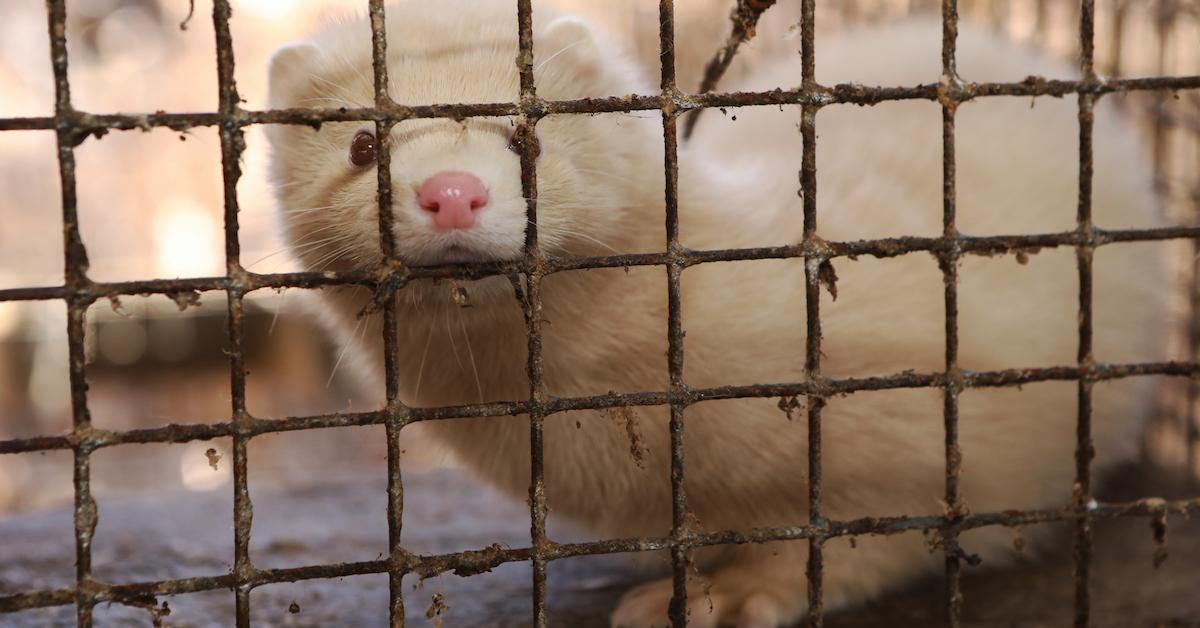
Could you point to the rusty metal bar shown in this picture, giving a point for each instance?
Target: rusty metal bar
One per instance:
(743, 19)
(86, 514)
(243, 508)
(880, 248)
(84, 124)
(97, 438)
(477, 561)
(233, 144)
(396, 414)
(75, 267)
(531, 305)
(1084, 450)
(814, 261)
(680, 554)
(948, 260)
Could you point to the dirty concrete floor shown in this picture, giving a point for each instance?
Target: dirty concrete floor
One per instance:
(181, 535)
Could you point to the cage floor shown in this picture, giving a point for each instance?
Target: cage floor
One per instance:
(182, 535)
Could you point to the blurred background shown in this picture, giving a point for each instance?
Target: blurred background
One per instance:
(150, 207)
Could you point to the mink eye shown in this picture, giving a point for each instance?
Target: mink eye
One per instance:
(362, 149)
(514, 142)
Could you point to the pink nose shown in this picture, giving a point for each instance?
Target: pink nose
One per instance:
(452, 198)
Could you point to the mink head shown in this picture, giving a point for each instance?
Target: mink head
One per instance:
(456, 185)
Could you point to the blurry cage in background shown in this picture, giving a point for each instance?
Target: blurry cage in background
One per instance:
(169, 338)
(1171, 129)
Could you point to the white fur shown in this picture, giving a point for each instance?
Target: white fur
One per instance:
(600, 179)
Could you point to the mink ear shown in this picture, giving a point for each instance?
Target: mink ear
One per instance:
(289, 82)
(572, 42)
(290, 75)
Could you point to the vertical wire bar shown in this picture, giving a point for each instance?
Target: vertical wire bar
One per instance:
(815, 569)
(680, 553)
(383, 101)
(396, 411)
(243, 508)
(86, 514)
(233, 144)
(75, 267)
(949, 264)
(1084, 450)
(532, 309)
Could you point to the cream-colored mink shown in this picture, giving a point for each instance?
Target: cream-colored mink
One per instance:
(457, 197)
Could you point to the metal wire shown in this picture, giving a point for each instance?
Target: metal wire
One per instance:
(744, 18)
(948, 261)
(79, 292)
(1084, 451)
(681, 555)
(814, 259)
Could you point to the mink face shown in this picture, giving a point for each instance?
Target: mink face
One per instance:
(456, 186)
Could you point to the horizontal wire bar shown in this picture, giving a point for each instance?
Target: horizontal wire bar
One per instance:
(880, 248)
(846, 93)
(97, 438)
(472, 562)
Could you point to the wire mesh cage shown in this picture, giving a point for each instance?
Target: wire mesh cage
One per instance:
(1152, 90)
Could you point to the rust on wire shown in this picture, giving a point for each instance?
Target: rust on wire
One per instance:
(392, 277)
(948, 261)
(814, 258)
(233, 144)
(83, 124)
(78, 291)
(253, 426)
(743, 21)
(881, 248)
(681, 555)
(75, 267)
(1084, 253)
(531, 308)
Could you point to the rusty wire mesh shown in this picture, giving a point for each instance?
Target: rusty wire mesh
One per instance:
(78, 291)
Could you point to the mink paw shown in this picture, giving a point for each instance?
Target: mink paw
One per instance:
(721, 601)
